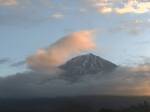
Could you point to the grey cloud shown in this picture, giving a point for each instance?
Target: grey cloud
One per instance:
(18, 64)
(4, 60)
(122, 81)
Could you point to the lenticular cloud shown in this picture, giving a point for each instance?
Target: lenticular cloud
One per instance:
(57, 53)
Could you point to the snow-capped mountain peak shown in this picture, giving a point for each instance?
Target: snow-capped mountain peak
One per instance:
(87, 64)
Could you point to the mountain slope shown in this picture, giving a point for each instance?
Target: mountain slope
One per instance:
(87, 64)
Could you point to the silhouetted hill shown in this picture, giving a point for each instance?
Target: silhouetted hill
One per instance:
(73, 104)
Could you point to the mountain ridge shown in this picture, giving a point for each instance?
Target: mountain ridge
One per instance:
(87, 64)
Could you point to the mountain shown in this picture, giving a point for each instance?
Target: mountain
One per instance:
(87, 64)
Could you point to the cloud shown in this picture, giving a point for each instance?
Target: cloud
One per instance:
(18, 64)
(24, 13)
(122, 6)
(8, 2)
(133, 27)
(57, 53)
(105, 10)
(57, 15)
(142, 68)
(134, 7)
(4, 60)
(32, 84)
(23, 2)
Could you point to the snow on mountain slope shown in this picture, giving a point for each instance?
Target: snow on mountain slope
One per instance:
(87, 64)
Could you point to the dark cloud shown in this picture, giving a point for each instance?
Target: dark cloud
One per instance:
(4, 60)
(18, 64)
(123, 81)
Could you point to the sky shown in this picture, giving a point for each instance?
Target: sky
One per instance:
(121, 30)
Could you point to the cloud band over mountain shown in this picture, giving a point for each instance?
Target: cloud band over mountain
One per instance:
(122, 81)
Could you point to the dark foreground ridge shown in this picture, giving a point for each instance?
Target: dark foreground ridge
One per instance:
(87, 64)
(77, 104)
